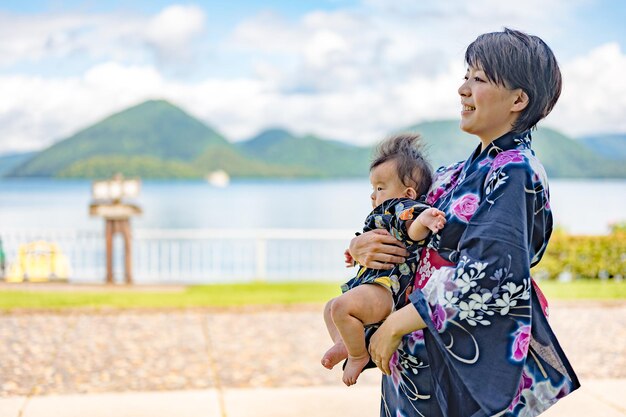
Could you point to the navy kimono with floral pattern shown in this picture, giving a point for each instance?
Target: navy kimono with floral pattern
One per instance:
(392, 215)
(488, 349)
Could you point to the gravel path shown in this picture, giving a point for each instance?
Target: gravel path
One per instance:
(90, 351)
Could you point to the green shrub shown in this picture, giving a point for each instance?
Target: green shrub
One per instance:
(585, 256)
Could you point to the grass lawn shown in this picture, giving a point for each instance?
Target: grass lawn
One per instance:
(249, 294)
(219, 295)
(584, 289)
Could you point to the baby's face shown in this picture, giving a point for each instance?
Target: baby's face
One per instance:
(386, 184)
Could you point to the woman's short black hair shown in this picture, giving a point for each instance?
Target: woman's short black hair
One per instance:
(406, 149)
(514, 59)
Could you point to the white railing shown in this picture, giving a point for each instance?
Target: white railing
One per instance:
(201, 255)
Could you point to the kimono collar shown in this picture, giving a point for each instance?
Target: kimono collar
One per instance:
(508, 141)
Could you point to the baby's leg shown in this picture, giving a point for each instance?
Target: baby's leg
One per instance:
(338, 351)
(365, 304)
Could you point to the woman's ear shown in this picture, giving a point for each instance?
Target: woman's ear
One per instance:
(410, 193)
(521, 100)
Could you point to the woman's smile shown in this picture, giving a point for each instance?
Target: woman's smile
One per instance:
(466, 109)
(487, 109)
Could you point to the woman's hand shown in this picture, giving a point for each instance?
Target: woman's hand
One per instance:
(377, 249)
(386, 339)
(382, 346)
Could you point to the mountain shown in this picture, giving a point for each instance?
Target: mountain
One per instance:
(154, 129)
(566, 157)
(321, 158)
(156, 139)
(10, 160)
(561, 155)
(612, 146)
(237, 164)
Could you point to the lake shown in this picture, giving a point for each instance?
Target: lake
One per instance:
(579, 206)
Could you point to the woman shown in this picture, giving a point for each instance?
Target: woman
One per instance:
(474, 339)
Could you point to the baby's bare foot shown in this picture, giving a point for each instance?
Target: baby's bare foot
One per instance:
(334, 355)
(353, 369)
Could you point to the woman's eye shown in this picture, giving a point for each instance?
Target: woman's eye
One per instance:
(478, 79)
(379, 188)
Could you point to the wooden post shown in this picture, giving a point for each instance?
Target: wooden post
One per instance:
(113, 227)
(110, 227)
(128, 267)
(108, 204)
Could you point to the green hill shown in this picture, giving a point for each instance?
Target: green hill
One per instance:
(561, 155)
(155, 129)
(232, 160)
(158, 140)
(566, 157)
(319, 157)
(9, 161)
(612, 146)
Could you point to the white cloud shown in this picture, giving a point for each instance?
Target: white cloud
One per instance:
(594, 93)
(38, 111)
(35, 39)
(173, 29)
(350, 74)
(477, 12)
(128, 38)
(267, 32)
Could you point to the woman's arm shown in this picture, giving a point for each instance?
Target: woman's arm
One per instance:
(479, 312)
(388, 336)
(377, 249)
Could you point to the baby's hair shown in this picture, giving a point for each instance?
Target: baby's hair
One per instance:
(406, 149)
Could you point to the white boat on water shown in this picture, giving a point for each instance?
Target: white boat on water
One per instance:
(219, 178)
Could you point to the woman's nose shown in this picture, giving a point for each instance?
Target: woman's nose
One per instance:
(464, 90)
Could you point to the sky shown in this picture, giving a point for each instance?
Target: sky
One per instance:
(350, 70)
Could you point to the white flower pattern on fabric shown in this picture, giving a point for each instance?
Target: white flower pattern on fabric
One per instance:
(481, 301)
(479, 312)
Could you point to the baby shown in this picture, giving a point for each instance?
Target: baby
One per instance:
(399, 175)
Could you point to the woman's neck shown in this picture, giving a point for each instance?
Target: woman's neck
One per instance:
(486, 140)
(497, 131)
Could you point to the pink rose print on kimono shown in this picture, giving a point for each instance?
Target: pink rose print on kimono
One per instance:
(507, 157)
(565, 389)
(521, 342)
(526, 382)
(464, 207)
(414, 339)
(396, 369)
(438, 316)
(434, 196)
(449, 179)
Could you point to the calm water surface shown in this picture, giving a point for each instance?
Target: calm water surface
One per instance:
(587, 206)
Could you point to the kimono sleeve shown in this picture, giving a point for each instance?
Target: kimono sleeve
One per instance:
(397, 213)
(478, 312)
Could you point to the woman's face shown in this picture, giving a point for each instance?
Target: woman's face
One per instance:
(488, 110)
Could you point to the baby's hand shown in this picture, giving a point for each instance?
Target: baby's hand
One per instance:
(348, 259)
(433, 219)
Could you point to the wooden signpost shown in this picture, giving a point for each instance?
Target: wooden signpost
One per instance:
(107, 203)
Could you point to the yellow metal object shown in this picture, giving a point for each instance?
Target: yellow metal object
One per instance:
(39, 261)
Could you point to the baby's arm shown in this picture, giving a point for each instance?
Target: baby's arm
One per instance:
(429, 220)
(348, 259)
